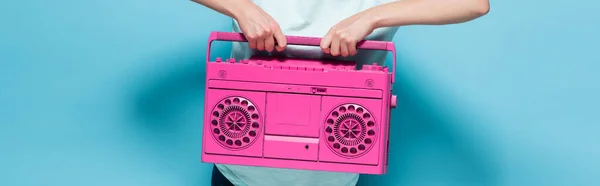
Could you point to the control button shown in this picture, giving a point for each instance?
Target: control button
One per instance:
(231, 60)
(219, 60)
(245, 61)
(376, 67)
(393, 101)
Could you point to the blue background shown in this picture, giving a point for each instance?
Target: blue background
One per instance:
(111, 93)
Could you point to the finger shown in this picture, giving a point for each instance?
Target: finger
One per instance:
(352, 48)
(344, 48)
(269, 43)
(335, 46)
(251, 40)
(260, 43)
(281, 40)
(252, 44)
(326, 43)
(251, 37)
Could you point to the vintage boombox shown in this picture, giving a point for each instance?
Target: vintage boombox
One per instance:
(298, 113)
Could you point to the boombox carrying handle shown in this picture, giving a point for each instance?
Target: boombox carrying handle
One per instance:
(308, 41)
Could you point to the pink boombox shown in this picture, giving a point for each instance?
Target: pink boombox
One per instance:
(298, 113)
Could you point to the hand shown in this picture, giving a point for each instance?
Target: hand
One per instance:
(342, 38)
(260, 29)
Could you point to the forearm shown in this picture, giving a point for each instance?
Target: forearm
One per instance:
(229, 8)
(426, 12)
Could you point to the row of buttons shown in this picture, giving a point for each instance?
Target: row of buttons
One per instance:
(373, 67)
(296, 68)
(243, 61)
(231, 60)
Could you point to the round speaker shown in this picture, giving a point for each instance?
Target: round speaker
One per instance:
(350, 130)
(235, 123)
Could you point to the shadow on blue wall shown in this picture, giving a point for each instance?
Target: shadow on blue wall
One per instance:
(420, 133)
(166, 111)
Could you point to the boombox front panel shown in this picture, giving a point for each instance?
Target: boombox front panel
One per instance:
(321, 133)
(295, 130)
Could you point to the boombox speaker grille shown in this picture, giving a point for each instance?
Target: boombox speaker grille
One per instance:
(235, 123)
(350, 130)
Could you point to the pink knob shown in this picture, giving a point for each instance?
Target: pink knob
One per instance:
(219, 59)
(393, 101)
(245, 61)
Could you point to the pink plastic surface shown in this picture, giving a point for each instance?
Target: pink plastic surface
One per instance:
(298, 113)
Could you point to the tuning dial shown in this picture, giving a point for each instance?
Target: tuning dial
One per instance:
(393, 101)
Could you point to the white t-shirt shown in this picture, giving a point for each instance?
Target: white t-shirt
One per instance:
(305, 18)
